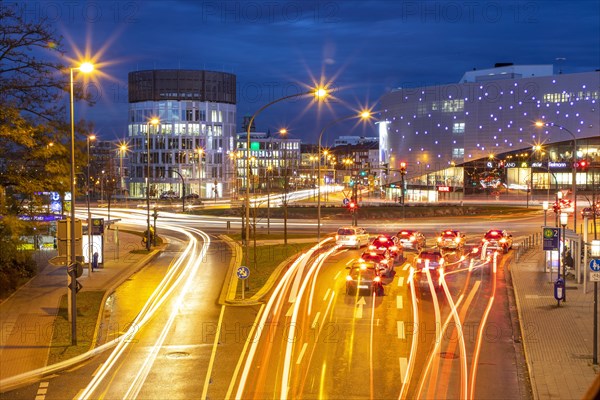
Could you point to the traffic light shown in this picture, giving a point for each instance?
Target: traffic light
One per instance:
(403, 168)
(386, 168)
(581, 165)
(363, 172)
(352, 206)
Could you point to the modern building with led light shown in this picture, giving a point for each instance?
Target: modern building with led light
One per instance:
(188, 148)
(480, 136)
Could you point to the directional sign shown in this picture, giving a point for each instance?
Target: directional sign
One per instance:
(346, 201)
(243, 272)
(594, 276)
(595, 265)
(78, 286)
(551, 238)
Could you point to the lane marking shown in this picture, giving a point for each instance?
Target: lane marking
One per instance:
(401, 334)
(41, 397)
(44, 384)
(406, 266)
(336, 275)
(403, 368)
(350, 262)
(97, 369)
(301, 353)
(316, 320)
(326, 294)
(401, 281)
(42, 391)
(399, 302)
(290, 311)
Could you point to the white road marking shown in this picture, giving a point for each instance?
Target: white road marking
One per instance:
(326, 294)
(42, 391)
(299, 360)
(290, 311)
(336, 275)
(358, 312)
(44, 384)
(406, 266)
(401, 334)
(350, 262)
(399, 302)
(403, 367)
(97, 369)
(40, 397)
(316, 320)
(401, 281)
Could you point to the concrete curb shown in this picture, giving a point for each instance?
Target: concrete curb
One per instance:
(229, 291)
(524, 340)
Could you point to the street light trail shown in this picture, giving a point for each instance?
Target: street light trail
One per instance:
(438, 323)
(413, 347)
(482, 324)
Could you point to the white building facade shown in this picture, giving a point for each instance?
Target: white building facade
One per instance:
(188, 148)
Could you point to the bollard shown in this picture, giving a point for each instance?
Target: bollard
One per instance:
(228, 226)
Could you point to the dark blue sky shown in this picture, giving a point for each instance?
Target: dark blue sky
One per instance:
(365, 47)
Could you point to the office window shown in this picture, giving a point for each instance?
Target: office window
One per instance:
(458, 128)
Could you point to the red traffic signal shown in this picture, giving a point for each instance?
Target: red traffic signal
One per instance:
(352, 206)
(403, 168)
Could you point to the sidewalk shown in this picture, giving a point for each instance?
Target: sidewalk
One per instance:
(27, 317)
(557, 340)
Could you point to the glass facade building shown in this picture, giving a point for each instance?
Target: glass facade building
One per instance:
(482, 130)
(188, 148)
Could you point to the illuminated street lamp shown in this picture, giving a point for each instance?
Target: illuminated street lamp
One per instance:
(545, 207)
(200, 151)
(85, 67)
(89, 139)
(564, 220)
(154, 121)
(540, 124)
(319, 93)
(363, 115)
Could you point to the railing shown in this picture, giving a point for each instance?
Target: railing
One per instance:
(526, 244)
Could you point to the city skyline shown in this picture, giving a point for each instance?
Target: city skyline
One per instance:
(364, 49)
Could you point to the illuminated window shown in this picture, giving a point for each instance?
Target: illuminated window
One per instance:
(458, 152)
(458, 128)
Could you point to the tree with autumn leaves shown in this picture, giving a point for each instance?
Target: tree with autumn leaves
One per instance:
(34, 129)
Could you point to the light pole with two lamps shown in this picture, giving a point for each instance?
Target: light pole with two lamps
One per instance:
(364, 115)
(319, 93)
(540, 124)
(86, 67)
(151, 122)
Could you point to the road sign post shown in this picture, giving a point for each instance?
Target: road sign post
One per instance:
(243, 273)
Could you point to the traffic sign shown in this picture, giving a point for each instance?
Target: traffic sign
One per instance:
(346, 201)
(243, 272)
(78, 286)
(551, 238)
(594, 276)
(595, 265)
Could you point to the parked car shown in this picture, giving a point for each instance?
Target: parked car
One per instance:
(451, 239)
(363, 276)
(352, 236)
(169, 195)
(411, 239)
(496, 239)
(192, 196)
(386, 242)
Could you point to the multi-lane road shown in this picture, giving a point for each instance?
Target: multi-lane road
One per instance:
(448, 335)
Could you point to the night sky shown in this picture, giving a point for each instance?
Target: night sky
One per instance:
(364, 48)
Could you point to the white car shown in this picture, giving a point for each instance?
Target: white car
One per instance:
(352, 236)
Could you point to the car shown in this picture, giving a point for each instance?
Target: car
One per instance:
(411, 239)
(381, 258)
(386, 242)
(589, 211)
(192, 196)
(431, 258)
(363, 276)
(169, 195)
(496, 239)
(451, 239)
(352, 236)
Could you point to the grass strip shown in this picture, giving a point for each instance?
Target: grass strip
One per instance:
(88, 307)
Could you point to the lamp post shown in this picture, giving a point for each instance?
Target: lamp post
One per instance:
(200, 151)
(545, 207)
(85, 68)
(319, 94)
(122, 151)
(564, 220)
(573, 166)
(283, 146)
(268, 172)
(151, 122)
(364, 115)
(596, 254)
(87, 197)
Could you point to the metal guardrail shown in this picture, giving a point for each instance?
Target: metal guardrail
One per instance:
(526, 244)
